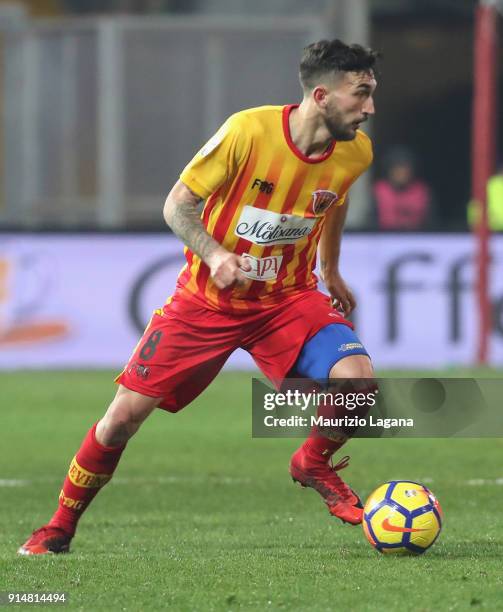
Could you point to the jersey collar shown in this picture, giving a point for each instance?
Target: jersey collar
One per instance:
(288, 137)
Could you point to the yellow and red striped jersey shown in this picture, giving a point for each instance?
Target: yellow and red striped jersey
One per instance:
(266, 200)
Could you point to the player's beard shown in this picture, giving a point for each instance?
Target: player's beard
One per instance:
(338, 128)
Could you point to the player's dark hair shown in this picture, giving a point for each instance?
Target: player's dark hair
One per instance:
(321, 58)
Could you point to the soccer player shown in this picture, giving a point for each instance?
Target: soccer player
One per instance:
(275, 180)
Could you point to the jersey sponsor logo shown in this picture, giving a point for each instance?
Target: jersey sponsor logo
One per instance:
(266, 227)
(263, 186)
(387, 526)
(76, 504)
(350, 346)
(323, 200)
(81, 477)
(139, 370)
(263, 268)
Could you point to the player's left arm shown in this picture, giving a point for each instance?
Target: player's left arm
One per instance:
(329, 252)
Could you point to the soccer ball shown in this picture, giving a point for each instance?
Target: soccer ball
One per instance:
(402, 517)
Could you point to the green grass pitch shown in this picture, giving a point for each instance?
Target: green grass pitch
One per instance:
(200, 516)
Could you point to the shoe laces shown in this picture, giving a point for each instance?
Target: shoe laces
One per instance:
(335, 481)
(344, 462)
(40, 530)
(46, 528)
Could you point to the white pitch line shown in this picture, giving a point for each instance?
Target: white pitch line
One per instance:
(12, 482)
(481, 482)
(226, 480)
(159, 480)
(220, 480)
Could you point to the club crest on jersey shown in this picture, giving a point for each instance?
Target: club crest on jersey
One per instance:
(323, 200)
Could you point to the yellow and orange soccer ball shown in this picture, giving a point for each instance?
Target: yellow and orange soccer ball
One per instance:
(402, 517)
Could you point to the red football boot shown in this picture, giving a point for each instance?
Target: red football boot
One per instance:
(341, 500)
(46, 540)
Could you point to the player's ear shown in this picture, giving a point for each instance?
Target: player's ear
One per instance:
(320, 95)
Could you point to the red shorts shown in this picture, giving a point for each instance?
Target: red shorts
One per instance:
(185, 344)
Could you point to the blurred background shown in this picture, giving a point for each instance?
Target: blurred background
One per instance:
(103, 103)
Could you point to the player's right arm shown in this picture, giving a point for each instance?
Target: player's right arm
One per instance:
(215, 164)
(182, 215)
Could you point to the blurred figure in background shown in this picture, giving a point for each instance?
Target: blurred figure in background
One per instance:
(494, 202)
(403, 202)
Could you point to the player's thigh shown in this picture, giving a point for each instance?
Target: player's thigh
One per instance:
(177, 359)
(276, 343)
(336, 359)
(335, 351)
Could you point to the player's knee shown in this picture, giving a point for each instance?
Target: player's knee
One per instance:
(353, 376)
(124, 417)
(353, 366)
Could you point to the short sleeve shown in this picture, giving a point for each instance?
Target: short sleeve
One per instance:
(219, 159)
(366, 153)
(363, 157)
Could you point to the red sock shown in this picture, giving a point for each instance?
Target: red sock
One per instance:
(90, 469)
(321, 448)
(318, 446)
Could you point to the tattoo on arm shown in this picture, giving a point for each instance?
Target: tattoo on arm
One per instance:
(186, 222)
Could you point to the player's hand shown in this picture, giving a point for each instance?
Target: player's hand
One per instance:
(342, 296)
(227, 268)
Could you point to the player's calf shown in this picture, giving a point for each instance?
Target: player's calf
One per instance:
(311, 463)
(90, 470)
